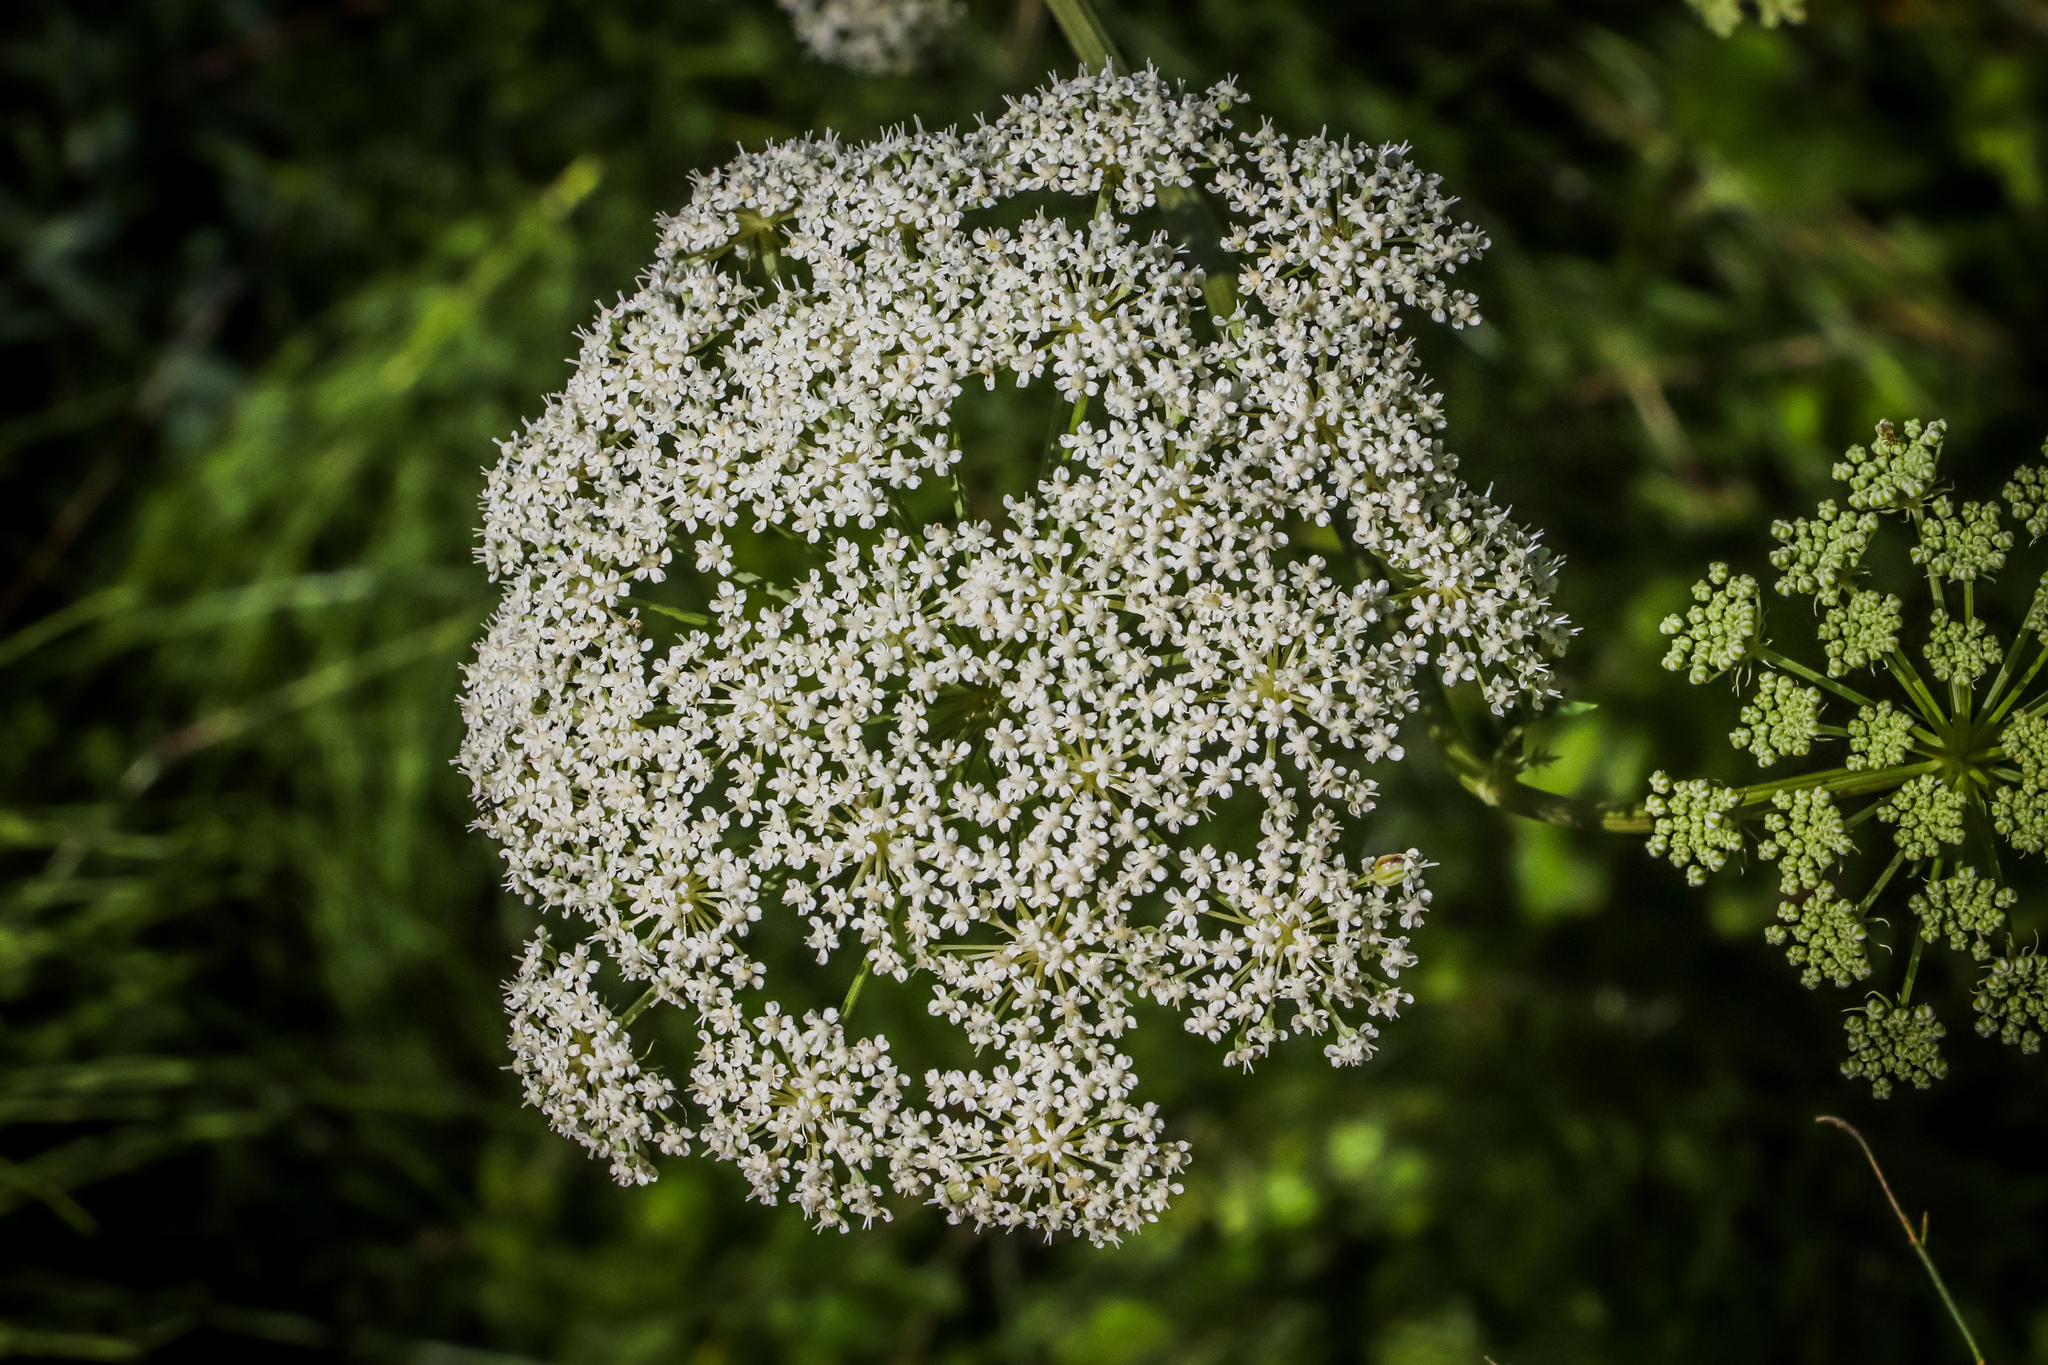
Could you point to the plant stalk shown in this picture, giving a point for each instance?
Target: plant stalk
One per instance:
(1919, 1243)
(1495, 782)
(1087, 36)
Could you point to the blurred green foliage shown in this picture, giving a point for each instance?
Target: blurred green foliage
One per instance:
(281, 270)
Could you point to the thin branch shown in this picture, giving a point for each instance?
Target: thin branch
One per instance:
(1495, 782)
(1918, 1242)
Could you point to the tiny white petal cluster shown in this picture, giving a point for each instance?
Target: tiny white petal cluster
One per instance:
(872, 37)
(2019, 810)
(1806, 836)
(1108, 748)
(1822, 935)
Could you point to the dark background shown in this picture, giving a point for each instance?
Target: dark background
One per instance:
(277, 275)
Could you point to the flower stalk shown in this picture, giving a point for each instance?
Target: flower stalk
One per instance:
(1917, 1240)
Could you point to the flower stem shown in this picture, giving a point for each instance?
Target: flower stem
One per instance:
(1909, 678)
(1495, 782)
(853, 993)
(1839, 781)
(1086, 35)
(1898, 859)
(637, 1008)
(1912, 971)
(1917, 1240)
(1997, 714)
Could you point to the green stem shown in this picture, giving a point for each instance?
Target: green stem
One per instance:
(638, 1008)
(1909, 678)
(2019, 687)
(1839, 781)
(2012, 656)
(1790, 665)
(1193, 222)
(1898, 861)
(1912, 969)
(853, 993)
(1087, 36)
(1918, 1240)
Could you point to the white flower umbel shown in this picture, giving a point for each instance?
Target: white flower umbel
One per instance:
(1110, 745)
(872, 37)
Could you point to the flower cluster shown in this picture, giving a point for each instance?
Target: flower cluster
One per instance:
(1692, 825)
(769, 671)
(1805, 836)
(1961, 545)
(2027, 494)
(1879, 737)
(872, 37)
(1894, 1042)
(1966, 908)
(2013, 1001)
(1717, 634)
(1725, 16)
(1947, 763)
(1821, 552)
(1822, 935)
(1781, 719)
(1959, 651)
(1928, 813)
(1861, 631)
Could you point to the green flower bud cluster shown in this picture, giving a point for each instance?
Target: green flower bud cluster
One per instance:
(1964, 907)
(1948, 748)
(1725, 16)
(1888, 1042)
(1718, 633)
(1783, 719)
(1692, 825)
(1806, 838)
(1861, 631)
(2013, 1001)
(2037, 612)
(1826, 934)
(1959, 651)
(1879, 737)
(1928, 812)
(2027, 494)
(1962, 546)
(2019, 812)
(1821, 552)
(1893, 474)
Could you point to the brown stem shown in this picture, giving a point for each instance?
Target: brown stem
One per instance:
(1917, 1239)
